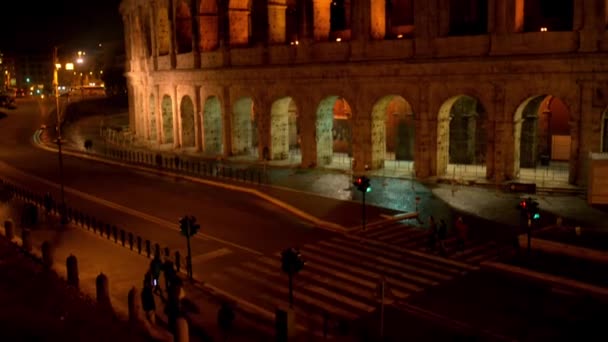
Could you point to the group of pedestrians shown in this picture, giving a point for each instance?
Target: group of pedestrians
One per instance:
(151, 286)
(439, 234)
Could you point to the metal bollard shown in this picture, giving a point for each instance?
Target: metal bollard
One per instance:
(47, 254)
(130, 240)
(148, 251)
(139, 244)
(115, 233)
(122, 237)
(103, 291)
(108, 230)
(72, 269)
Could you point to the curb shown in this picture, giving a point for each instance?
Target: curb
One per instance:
(548, 279)
(331, 226)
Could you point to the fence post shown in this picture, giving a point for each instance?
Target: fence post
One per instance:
(122, 237)
(72, 268)
(115, 233)
(103, 291)
(131, 240)
(139, 244)
(148, 251)
(47, 254)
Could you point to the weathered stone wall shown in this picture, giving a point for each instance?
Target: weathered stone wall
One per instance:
(500, 70)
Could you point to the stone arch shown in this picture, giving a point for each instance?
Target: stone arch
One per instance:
(604, 137)
(333, 129)
(393, 130)
(213, 126)
(152, 118)
(554, 15)
(239, 22)
(186, 110)
(284, 130)
(209, 25)
(460, 132)
(183, 27)
(244, 127)
(468, 17)
(167, 110)
(541, 131)
(340, 20)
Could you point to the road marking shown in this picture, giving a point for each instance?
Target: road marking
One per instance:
(130, 211)
(211, 255)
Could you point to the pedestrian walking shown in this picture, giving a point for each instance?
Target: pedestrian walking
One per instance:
(462, 231)
(147, 299)
(432, 242)
(442, 234)
(155, 268)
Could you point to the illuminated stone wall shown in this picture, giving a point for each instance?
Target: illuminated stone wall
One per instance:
(413, 56)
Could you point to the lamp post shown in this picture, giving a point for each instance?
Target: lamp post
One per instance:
(62, 207)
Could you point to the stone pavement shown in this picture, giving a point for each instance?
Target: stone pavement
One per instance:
(328, 194)
(125, 270)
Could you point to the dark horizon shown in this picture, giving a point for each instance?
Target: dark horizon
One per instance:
(73, 24)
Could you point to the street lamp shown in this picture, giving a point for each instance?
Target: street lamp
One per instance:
(62, 208)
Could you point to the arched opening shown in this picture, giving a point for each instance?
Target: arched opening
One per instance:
(468, 17)
(183, 27)
(399, 19)
(244, 129)
(167, 109)
(292, 20)
(393, 135)
(212, 127)
(548, 15)
(604, 139)
(284, 130)
(152, 119)
(334, 133)
(258, 31)
(147, 34)
(542, 140)
(186, 110)
(461, 138)
(339, 20)
(208, 25)
(163, 31)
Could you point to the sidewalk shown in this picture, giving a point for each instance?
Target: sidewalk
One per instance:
(328, 194)
(125, 270)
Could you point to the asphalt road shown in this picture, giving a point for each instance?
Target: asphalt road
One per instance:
(239, 224)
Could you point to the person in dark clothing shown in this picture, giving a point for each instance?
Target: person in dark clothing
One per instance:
(461, 233)
(147, 299)
(442, 234)
(432, 233)
(155, 268)
(170, 273)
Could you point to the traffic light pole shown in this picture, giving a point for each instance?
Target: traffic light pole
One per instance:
(189, 256)
(529, 223)
(363, 211)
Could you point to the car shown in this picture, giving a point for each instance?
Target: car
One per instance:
(7, 101)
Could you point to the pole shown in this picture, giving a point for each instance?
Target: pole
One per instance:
(62, 213)
(382, 308)
(529, 234)
(363, 211)
(189, 257)
(290, 290)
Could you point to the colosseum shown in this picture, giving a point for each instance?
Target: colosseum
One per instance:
(493, 90)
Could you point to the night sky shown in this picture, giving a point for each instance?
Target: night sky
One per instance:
(30, 26)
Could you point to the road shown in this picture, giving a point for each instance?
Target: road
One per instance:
(238, 249)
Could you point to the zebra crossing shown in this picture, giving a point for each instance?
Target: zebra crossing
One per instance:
(475, 250)
(340, 280)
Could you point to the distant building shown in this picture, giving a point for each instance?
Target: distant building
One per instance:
(483, 90)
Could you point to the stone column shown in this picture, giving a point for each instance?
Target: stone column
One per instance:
(321, 19)
(177, 136)
(154, 43)
(198, 122)
(422, 157)
(499, 136)
(238, 19)
(196, 38)
(277, 10)
(307, 117)
(361, 19)
(226, 105)
(262, 109)
(592, 25)
(426, 24)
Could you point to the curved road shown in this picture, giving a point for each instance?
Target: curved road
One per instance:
(144, 203)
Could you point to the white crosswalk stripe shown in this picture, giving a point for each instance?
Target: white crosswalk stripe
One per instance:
(415, 238)
(341, 278)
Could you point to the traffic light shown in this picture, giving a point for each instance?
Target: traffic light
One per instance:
(362, 184)
(188, 225)
(291, 261)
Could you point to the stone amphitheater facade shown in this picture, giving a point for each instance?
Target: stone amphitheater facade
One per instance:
(498, 83)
